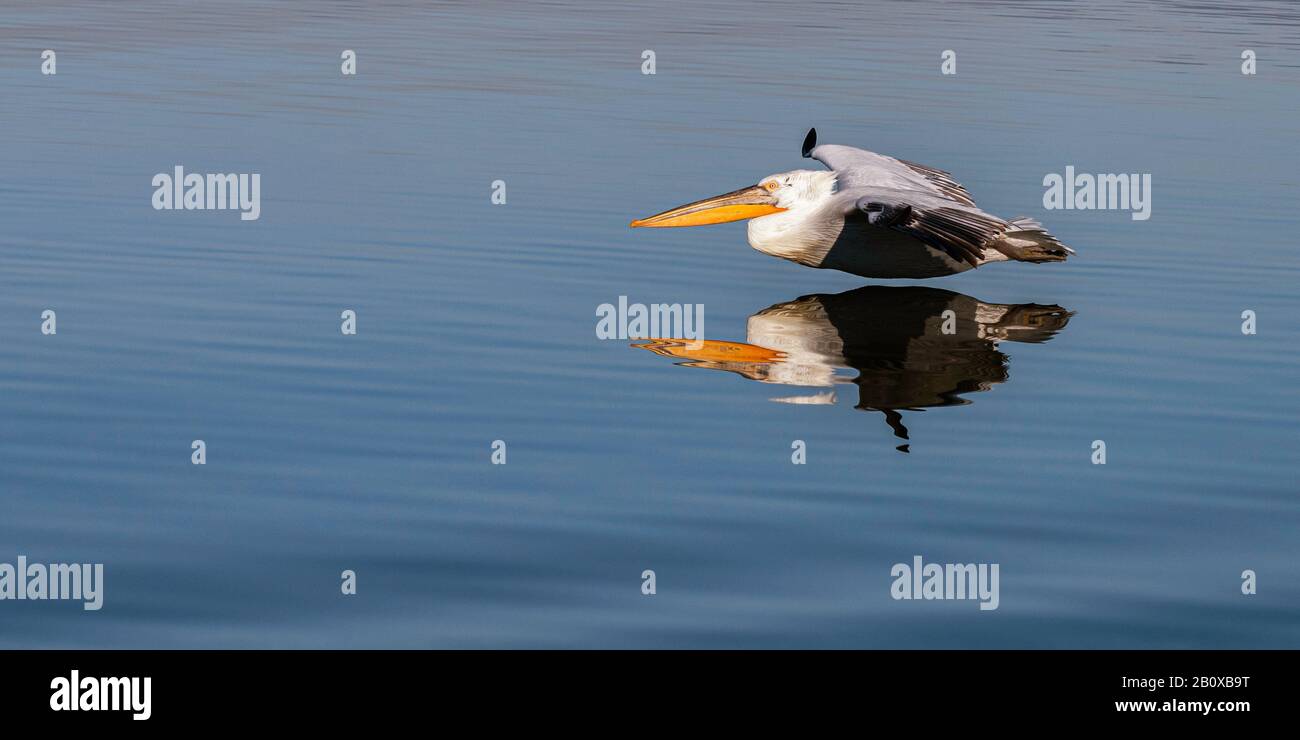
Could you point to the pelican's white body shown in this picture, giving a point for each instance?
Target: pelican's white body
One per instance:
(818, 216)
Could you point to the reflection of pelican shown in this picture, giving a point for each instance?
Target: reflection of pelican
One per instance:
(871, 215)
(908, 351)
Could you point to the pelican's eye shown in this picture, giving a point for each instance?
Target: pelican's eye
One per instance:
(770, 186)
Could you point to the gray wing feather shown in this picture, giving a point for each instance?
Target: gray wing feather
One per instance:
(942, 181)
(860, 168)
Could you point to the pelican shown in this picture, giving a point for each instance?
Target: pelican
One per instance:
(870, 215)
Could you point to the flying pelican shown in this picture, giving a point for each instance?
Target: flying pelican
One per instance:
(870, 215)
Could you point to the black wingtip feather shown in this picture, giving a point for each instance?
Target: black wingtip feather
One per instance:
(809, 142)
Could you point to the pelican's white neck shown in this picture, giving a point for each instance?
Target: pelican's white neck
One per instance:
(799, 232)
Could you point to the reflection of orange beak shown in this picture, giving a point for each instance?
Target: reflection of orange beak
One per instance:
(711, 350)
(749, 202)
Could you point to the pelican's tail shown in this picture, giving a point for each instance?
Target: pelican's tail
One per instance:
(1026, 240)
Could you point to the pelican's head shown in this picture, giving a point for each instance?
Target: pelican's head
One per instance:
(773, 194)
(799, 188)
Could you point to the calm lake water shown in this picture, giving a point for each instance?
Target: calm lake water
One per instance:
(476, 323)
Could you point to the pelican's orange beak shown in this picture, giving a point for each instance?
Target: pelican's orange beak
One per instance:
(750, 202)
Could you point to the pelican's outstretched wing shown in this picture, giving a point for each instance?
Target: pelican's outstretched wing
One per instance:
(959, 232)
(860, 168)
